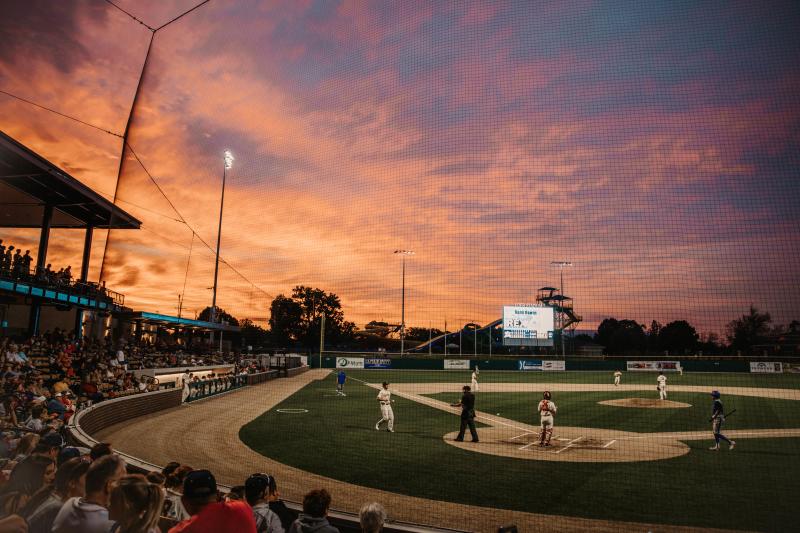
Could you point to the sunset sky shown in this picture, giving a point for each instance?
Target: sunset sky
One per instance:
(654, 145)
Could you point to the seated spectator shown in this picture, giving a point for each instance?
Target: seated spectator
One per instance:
(314, 517)
(173, 507)
(208, 514)
(26, 478)
(44, 506)
(278, 507)
(27, 443)
(156, 478)
(67, 453)
(372, 516)
(236, 494)
(89, 514)
(99, 450)
(49, 446)
(136, 505)
(256, 490)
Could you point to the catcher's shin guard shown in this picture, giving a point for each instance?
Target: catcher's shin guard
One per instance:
(549, 433)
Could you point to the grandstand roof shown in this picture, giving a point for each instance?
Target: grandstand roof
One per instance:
(28, 182)
(173, 321)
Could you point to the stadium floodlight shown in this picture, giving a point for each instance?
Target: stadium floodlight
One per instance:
(227, 157)
(404, 253)
(561, 265)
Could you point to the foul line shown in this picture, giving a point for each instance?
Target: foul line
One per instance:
(610, 443)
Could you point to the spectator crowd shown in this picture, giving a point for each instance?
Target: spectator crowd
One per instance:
(50, 487)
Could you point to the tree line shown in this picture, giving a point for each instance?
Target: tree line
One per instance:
(295, 322)
(743, 335)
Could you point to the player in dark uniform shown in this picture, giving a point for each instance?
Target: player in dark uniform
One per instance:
(717, 418)
(340, 379)
(467, 405)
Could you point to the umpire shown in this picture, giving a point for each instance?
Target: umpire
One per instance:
(467, 405)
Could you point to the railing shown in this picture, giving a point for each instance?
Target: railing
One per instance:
(31, 283)
(211, 387)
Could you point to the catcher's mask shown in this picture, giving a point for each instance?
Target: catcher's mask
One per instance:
(546, 395)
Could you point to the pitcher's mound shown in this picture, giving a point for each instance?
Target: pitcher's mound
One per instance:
(645, 403)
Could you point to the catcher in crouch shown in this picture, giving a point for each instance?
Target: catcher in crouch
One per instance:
(547, 409)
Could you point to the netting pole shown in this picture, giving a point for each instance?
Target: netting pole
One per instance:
(122, 152)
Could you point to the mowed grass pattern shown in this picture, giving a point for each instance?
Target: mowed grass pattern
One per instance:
(749, 488)
(582, 410)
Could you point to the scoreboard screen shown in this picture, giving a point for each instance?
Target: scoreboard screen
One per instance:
(527, 325)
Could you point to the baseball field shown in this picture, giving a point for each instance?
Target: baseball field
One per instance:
(618, 453)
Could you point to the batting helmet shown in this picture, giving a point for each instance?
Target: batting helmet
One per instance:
(715, 394)
(546, 395)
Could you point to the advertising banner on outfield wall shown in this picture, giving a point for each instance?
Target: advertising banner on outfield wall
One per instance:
(554, 366)
(766, 368)
(349, 362)
(530, 364)
(654, 366)
(456, 364)
(377, 362)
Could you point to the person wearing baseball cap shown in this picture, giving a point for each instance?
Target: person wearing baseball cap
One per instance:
(208, 514)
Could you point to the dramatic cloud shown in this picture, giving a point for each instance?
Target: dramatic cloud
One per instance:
(654, 146)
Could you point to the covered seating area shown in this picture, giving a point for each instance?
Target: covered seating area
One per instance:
(35, 193)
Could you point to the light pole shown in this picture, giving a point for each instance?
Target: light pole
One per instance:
(404, 253)
(228, 158)
(561, 265)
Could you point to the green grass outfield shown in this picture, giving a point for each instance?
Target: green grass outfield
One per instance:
(752, 487)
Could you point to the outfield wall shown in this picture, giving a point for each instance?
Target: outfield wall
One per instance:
(433, 363)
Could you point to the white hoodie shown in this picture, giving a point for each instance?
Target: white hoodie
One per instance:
(79, 516)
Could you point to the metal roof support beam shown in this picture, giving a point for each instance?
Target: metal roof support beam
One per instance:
(44, 238)
(87, 253)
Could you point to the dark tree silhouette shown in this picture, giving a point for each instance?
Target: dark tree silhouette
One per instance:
(678, 337)
(748, 330)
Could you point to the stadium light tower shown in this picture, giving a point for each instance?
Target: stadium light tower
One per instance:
(228, 159)
(561, 265)
(404, 253)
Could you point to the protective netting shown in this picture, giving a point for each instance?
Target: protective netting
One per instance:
(653, 146)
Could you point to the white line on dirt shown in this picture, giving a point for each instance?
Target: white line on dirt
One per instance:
(569, 445)
(527, 445)
(610, 443)
(518, 436)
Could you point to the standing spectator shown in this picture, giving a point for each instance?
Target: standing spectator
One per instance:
(26, 478)
(136, 505)
(314, 517)
(372, 516)
(44, 506)
(90, 513)
(26, 263)
(256, 490)
(208, 514)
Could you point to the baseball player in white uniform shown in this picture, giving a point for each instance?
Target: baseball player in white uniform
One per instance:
(662, 386)
(387, 415)
(617, 378)
(475, 380)
(547, 409)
